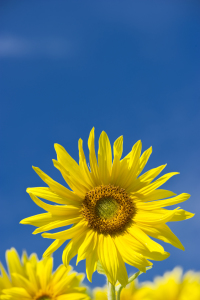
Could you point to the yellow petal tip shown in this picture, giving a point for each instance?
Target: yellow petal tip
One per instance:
(22, 222)
(56, 146)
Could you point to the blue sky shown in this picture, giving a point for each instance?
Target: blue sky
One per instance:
(131, 68)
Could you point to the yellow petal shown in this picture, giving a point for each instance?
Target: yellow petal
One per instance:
(151, 174)
(118, 147)
(132, 167)
(61, 285)
(60, 272)
(130, 256)
(57, 224)
(73, 182)
(117, 150)
(24, 258)
(93, 160)
(91, 264)
(135, 158)
(47, 270)
(67, 234)
(56, 187)
(162, 232)
(141, 236)
(104, 158)
(153, 195)
(154, 185)
(158, 216)
(122, 275)
(140, 249)
(23, 282)
(157, 256)
(72, 248)
(38, 220)
(83, 165)
(5, 279)
(46, 193)
(44, 271)
(101, 293)
(181, 215)
(32, 275)
(141, 183)
(73, 296)
(18, 293)
(77, 280)
(63, 210)
(40, 272)
(157, 204)
(129, 167)
(33, 259)
(111, 260)
(13, 262)
(88, 245)
(143, 159)
(53, 247)
(70, 165)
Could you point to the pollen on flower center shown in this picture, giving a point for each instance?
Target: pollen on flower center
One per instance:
(108, 209)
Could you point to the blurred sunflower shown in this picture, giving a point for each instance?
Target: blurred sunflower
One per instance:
(174, 286)
(113, 210)
(133, 291)
(30, 279)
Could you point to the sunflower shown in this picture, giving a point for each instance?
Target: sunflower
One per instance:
(133, 291)
(31, 279)
(176, 286)
(112, 208)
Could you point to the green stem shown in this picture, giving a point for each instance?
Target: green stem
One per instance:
(133, 277)
(119, 292)
(111, 291)
(120, 287)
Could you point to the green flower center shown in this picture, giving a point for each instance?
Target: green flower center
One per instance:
(44, 298)
(106, 208)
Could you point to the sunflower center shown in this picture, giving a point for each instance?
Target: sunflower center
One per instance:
(108, 209)
(44, 298)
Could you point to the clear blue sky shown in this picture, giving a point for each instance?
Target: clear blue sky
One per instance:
(130, 68)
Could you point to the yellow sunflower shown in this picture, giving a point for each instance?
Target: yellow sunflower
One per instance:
(174, 286)
(113, 210)
(133, 291)
(30, 279)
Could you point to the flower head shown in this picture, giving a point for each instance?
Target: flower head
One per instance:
(112, 207)
(176, 286)
(30, 279)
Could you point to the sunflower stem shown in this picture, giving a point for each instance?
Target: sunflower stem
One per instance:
(111, 291)
(120, 287)
(133, 277)
(119, 292)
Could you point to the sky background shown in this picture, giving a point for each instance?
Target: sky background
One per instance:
(131, 68)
